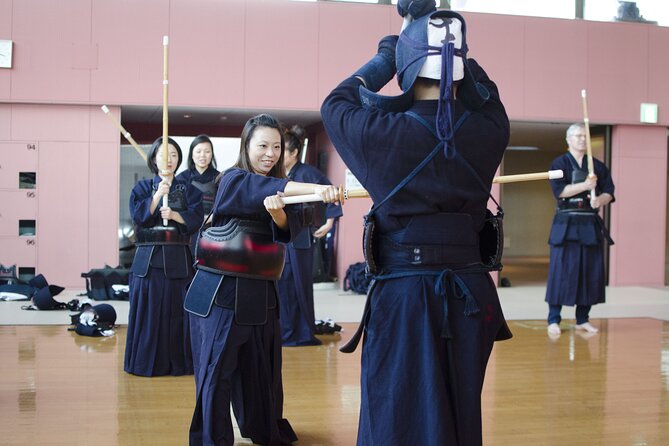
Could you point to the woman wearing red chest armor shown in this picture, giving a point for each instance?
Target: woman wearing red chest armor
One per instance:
(235, 329)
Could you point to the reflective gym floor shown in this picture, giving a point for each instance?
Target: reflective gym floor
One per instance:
(609, 388)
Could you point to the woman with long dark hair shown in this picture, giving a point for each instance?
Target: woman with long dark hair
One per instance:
(235, 330)
(202, 170)
(158, 340)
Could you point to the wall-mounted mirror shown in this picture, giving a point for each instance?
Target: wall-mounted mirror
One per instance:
(134, 169)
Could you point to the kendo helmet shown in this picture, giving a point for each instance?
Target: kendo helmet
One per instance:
(433, 46)
(97, 320)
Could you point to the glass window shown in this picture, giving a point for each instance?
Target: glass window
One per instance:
(646, 11)
(556, 8)
(347, 1)
(651, 11)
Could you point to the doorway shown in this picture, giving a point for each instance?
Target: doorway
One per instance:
(529, 206)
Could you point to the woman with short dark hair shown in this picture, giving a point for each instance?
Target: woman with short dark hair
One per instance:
(158, 340)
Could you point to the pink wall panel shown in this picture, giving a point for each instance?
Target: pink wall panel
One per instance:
(658, 67)
(498, 46)
(56, 123)
(553, 87)
(638, 221)
(130, 38)
(5, 122)
(16, 205)
(6, 7)
(102, 129)
(16, 157)
(617, 63)
(62, 216)
(46, 45)
(19, 251)
(111, 52)
(5, 33)
(207, 53)
(44, 70)
(5, 84)
(103, 214)
(59, 20)
(341, 53)
(281, 71)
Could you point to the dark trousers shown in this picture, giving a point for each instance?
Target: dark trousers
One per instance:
(582, 314)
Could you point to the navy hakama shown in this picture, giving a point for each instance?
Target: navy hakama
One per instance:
(429, 330)
(576, 270)
(296, 296)
(241, 365)
(158, 339)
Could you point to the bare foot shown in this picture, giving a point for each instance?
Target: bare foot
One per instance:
(587, 327)
(554, 329)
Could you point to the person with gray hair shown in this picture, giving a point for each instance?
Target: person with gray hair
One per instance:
(576, 270)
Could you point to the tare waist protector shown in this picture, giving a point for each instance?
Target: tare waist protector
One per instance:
(577, 203)
(161, 235)
(241, 248)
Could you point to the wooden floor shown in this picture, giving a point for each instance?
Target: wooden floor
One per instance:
(612, 388)
(524, 270)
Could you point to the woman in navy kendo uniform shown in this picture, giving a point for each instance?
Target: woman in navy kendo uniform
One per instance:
(158, 340)
(235, 329)
(296, 287)
(201, 171)
(433, 312)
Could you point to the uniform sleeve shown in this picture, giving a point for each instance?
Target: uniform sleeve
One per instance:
(345, 121)
(493, 109)
(313, 175)
(194, 215)
(184, 176)
(366, 138)
(332, 210)
(243, 193)
(140, 205)
(559, 184)
(294, 225)
(604, 180)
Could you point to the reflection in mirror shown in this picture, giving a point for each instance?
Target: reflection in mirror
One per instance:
(134, 169)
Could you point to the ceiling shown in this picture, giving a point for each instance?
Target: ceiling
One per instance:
(545, 136)
(212, 116)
